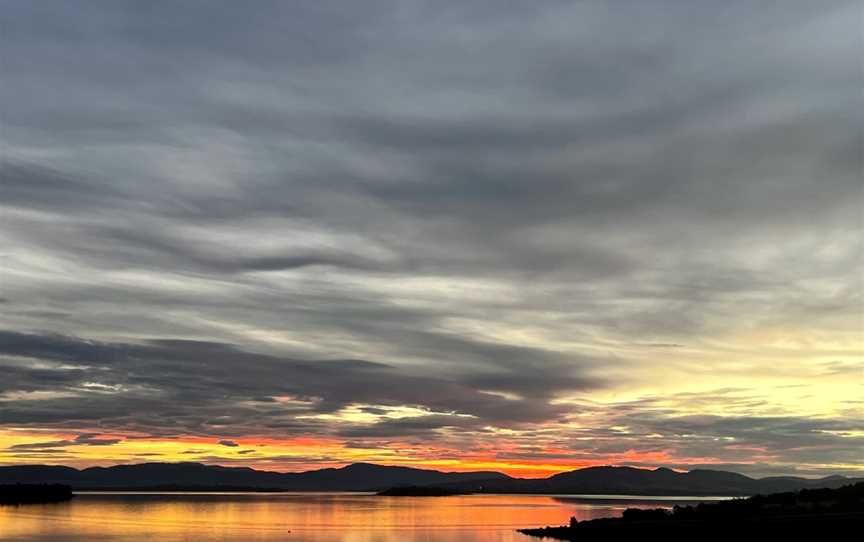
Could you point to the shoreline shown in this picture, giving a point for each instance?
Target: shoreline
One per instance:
(787, 513)
(580, 497)
(794, 526)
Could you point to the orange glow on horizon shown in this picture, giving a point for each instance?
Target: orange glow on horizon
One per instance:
(286, 455)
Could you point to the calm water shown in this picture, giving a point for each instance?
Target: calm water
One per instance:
(319, 517)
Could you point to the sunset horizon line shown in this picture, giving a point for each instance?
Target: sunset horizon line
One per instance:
(522, 471)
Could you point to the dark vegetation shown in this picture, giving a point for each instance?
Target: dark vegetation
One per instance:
(809, 511)
(34, 493)
(418, 491)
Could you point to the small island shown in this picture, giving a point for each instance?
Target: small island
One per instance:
(419, 491)
(16, 494)
(809, 511)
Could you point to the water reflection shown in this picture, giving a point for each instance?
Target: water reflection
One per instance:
(322, 517)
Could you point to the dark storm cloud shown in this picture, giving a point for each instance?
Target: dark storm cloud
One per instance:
(804, 444)
(183, 387)
(93, 439)
(795, 439)
(414, 426)
(752, 444)
(53, 445)
(90, 439)
(498, 204)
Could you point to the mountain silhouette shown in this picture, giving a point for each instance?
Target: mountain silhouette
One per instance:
(354, 477)
(661, 481)
(371, 477)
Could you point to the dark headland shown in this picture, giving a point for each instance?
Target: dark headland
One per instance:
(810, 512)
(34, 493)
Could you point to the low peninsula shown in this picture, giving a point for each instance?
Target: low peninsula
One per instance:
(16, 494)
(419, 491)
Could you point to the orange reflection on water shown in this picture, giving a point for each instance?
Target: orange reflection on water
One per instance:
(301, 517)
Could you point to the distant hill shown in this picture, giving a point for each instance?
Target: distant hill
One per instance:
(369, 477)
(355, 477)
(662, 481)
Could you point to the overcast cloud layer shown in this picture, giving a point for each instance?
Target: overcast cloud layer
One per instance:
(539, 232)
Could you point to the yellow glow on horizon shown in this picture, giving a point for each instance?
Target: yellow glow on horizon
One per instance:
(765, 374)
(264, 454)
(294, 455)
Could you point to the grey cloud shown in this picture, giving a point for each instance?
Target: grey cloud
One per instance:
(189, 385)
(768, 443)
(86, 439)
(519, 199)
(52, 445)
(426, 426)
(229, 443)
(93, 439)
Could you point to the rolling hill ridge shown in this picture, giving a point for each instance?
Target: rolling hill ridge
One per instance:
(371, 477)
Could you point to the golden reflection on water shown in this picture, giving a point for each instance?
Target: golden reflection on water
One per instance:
(291, 517)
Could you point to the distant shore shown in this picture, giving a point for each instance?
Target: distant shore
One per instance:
(170, 488)
(419, 491)
(367, 477)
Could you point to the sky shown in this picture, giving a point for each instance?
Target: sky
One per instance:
(521, 236)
